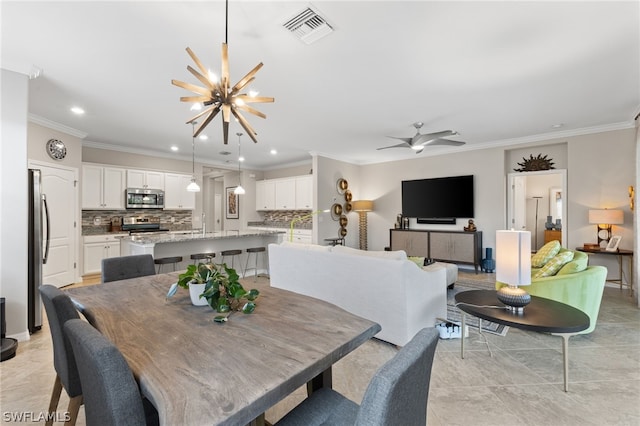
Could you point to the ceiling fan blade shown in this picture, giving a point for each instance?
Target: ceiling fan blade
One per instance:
(427, 137)
(400, 145)
(445, 142)
(406, 140)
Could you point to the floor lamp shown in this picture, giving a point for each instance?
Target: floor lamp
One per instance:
(535, 237)
(362, 207)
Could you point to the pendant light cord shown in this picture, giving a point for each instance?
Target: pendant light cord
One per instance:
(193, 150)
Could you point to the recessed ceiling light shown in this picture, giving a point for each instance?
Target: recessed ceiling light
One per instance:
(557, 126)
(273, 151)
(174, 148)
(203, 137)
(77, 110)
(225, 153)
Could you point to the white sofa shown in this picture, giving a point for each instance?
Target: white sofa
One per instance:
(383, 287)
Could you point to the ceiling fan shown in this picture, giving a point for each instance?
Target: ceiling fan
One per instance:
(420, 141)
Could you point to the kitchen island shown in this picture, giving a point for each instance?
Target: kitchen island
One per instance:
(187, 243)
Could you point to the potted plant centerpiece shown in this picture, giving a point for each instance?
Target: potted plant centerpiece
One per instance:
(219, 287)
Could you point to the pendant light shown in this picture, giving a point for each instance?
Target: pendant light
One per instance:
(193, 186)
(239, 189)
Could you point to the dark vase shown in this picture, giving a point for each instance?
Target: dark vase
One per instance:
(488, 264)
(549, 223)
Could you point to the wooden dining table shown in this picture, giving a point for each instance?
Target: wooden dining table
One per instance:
(196, 371)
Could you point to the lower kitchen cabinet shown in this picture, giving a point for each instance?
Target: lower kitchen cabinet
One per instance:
(96, 248)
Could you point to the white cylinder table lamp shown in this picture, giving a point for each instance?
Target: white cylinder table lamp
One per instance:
(513, 267)
(604, 219)
(362, 207)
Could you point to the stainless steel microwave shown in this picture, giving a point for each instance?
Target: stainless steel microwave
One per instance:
(141, 198)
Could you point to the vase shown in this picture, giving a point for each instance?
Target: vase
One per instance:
(488, 264)
(195, 290)
(558, 225)
(549, 223)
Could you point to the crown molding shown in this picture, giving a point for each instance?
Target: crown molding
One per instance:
(36, 119)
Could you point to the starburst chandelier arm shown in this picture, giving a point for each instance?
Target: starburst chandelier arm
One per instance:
(251, 110)
(204, 80)
(201, 113)
(194, 98)
(225, 130)
(192, 88)
(206, 121)
(246, 79)
(256, 99)
(245, 125)
(197, 61)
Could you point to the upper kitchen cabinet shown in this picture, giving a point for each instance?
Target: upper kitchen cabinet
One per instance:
(265, 195)
(304, 192)
(103, 187)
(286, 194)
(145, 179)
(176, 196)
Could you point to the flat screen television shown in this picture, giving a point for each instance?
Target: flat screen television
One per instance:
(438, 198)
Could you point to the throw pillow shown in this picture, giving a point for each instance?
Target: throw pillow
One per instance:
(417, 260)
(393, 255)
(578, 264)
(545, 254)
(554, 265)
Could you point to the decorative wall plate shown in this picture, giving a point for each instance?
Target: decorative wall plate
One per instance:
(336, 211)
(343, 221)
(348, 207)
(348, 196)
(342, 185)
(343, 232)
(56, 149)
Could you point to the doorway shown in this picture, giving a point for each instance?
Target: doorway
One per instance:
(534, 199)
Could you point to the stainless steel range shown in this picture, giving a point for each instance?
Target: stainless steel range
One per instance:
(142, 225)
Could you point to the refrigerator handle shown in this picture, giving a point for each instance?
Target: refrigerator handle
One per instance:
(46, 215)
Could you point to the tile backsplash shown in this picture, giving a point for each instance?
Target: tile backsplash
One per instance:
(99, 221)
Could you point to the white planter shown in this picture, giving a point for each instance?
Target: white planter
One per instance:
(195, 290)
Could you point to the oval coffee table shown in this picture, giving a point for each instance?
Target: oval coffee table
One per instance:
(541, 315)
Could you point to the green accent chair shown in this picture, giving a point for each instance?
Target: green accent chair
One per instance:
(582, 289)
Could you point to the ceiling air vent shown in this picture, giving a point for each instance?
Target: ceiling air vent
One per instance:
(308, 26)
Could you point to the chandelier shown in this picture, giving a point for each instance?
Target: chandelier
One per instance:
(217, 94)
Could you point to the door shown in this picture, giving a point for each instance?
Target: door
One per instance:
(517, 212)
(59, 186)
(217, 208)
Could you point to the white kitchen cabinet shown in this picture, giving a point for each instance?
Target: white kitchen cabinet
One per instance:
(285, 194)
(176, 196)
(96, 248)
(265, 195)
(302, 236)
(145, 179)
(304, 192)
(103, 187)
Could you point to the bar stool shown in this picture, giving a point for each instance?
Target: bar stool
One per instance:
(255, 251)
(167, 260)
(233, 254)
(200, 256)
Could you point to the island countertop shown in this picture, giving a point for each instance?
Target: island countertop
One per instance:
(196, 236)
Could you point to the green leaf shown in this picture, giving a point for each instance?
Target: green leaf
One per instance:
(253, 294)
(249, 307)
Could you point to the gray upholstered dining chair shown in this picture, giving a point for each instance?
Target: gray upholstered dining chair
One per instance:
(60, 309)
(111, 394)
(125, 267)
(396, 395)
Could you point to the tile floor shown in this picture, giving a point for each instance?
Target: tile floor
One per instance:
(518, 381)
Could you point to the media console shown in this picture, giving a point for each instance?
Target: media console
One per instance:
(445, 246)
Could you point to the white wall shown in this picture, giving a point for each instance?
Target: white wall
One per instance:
(14, 92)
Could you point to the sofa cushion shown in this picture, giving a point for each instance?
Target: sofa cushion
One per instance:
(545, 254)
(394, 255)
(305, 246)
(554, 265)
(578, 264)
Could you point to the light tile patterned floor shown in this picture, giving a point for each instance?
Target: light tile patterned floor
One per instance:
(518, 381)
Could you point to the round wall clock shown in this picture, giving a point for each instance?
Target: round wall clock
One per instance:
(56, 149)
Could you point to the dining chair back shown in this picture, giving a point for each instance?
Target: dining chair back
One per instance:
(60, 309)
(111, 393)
(396, 395)
(125, 267)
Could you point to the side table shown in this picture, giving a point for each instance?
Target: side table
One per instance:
(541, 315)
(620, 253)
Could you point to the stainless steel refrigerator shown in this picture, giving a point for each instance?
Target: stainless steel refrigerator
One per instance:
(38, 247)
